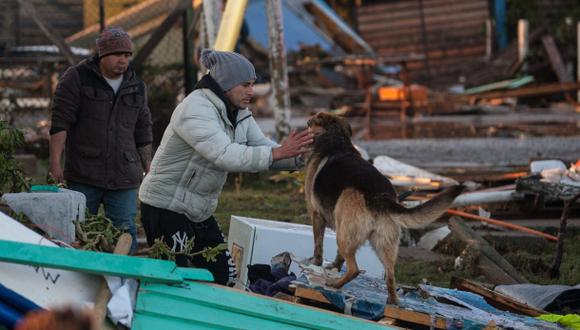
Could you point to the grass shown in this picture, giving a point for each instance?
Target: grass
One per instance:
(259, 197)
(533, 257)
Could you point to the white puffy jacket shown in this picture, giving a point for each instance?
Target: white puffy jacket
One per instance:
(198, 149)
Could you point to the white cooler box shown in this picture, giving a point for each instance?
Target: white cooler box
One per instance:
(255, 241)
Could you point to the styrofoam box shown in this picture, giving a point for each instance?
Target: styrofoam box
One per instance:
(255, 241)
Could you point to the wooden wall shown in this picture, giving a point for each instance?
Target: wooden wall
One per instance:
(454, 34)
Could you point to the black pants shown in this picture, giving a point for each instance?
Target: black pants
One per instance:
(176, 229)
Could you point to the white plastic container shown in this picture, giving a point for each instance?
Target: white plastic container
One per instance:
(254, 241)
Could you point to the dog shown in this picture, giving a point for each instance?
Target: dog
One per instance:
(348, 194)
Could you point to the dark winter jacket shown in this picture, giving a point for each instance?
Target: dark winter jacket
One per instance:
(104, 129)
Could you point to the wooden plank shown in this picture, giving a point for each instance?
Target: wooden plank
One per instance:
(494, 298)
(433, 21)
(230, 25)
(310, 294)
(532, 91)
(251, 304)
(278, 64)
(195, 274)
(556, 59)
(397, 6)
(391, 312)
(549, 190)
(336, 28)
(449, 10)
(47, 30)
(438, 43)
(437, 35)
(414, 317)
(128, 19)
(89, 262)
(201, 312)
(409, 18)
(122, 247)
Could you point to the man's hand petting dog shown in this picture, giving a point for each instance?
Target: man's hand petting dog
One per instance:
(294, 145)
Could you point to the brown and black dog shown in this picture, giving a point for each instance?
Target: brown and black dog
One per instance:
(348, 194)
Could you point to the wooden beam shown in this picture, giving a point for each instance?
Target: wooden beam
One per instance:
(189, 72)
(102, 22)
(122, 247)
(555, 268)
(496, 299)
(230, 25)
(391, 312)
(278, 69)
(523, 40)
(530, 91)
(556, 59)
(491, 263)
(326, 18)
(160, 32)
(212, 17)
(549, 190)
(415, 317)
(96, 262)
(128, 19)
(47, 30)
(578, 57)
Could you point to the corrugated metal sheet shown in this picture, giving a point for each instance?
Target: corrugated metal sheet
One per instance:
(454, 32)
(196, 305)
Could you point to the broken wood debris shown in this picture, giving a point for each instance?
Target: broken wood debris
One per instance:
(494, 298)
(392, 314)
(491, 263)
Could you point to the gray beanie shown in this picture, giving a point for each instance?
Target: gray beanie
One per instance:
(228, 69)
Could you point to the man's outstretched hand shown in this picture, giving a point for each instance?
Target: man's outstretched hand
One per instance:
(295, 144)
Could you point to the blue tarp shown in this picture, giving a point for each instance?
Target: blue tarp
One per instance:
(13, 307)
(366, 297)
(296, 30)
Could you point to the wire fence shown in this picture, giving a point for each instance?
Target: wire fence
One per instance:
(31, 64)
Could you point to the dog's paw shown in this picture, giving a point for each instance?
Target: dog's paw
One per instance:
(393, 300)
(332, 266)
(334, 283)
(315, 261)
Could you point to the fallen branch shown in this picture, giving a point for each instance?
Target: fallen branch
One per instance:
(491, 263)
(555, 269)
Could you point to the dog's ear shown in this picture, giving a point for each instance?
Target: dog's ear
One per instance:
(344, 124)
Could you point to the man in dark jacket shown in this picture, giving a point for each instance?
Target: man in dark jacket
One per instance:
(101, 120)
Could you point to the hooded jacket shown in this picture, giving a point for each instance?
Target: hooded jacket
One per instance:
(198, 149)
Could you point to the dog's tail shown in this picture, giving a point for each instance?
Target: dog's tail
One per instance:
(427, 212)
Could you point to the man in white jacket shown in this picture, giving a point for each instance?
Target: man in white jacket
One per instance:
(211, 133)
